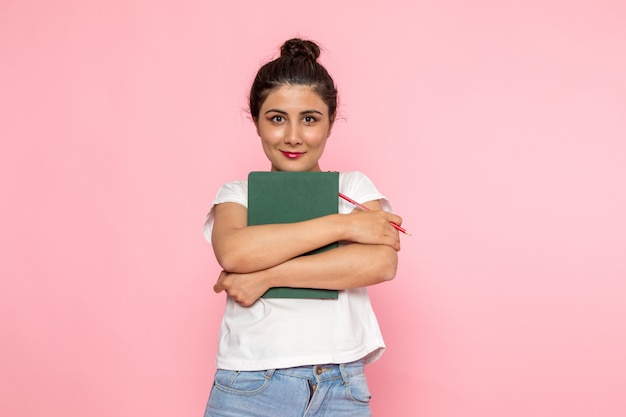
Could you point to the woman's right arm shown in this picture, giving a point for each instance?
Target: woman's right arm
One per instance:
(241, 248)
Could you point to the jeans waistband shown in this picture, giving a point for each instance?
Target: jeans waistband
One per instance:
(324, 372)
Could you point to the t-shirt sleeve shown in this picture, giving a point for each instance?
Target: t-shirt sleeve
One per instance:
(360, 188)
(232, 192)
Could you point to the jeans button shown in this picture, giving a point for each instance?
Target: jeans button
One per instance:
(318, 370)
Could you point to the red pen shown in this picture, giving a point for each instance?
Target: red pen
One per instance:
(361, 206)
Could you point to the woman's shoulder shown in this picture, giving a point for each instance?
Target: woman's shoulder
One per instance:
(352, 179)
(351, 176)
(236, 186)
(230, 192)
(233, 191)
(360, 187)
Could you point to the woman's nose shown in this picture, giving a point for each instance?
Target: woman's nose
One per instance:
(293, 136)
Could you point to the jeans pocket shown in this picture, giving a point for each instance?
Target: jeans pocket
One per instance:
(241, 382)
(358, 389)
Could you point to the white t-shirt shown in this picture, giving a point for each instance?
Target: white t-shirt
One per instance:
(281, 333)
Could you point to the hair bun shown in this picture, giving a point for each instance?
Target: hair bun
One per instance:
(299, 48)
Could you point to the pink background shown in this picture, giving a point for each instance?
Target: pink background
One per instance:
(497, 129)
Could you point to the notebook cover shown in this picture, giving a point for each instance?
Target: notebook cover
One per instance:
(288, 197)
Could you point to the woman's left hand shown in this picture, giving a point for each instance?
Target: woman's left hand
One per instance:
(243, 288)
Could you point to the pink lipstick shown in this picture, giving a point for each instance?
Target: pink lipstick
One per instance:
(292, 155)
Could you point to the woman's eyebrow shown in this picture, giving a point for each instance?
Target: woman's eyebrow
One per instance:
(275, 111)
(311, 111)
(301, 113)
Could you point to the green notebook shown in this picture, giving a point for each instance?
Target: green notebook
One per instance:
(288, 197)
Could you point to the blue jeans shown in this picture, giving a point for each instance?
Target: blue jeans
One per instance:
(325, 390)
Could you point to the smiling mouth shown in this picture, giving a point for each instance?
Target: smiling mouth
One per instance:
(292, 155)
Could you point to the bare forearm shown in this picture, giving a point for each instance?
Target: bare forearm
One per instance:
(244, 249)
(351, 266)
(256, 248)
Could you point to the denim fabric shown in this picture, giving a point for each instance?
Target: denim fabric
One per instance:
(311, 391)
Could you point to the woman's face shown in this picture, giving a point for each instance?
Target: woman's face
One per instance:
(293, 125)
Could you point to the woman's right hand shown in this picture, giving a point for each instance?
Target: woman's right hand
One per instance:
(373, 227)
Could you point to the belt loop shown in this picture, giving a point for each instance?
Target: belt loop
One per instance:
(269, 373)
(344, 374)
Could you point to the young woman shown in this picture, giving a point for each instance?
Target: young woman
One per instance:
(288, 357)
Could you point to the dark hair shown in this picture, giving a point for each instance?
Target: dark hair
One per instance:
(297, 65)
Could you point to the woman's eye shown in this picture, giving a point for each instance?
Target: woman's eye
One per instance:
(277, 119)
(309, 119)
